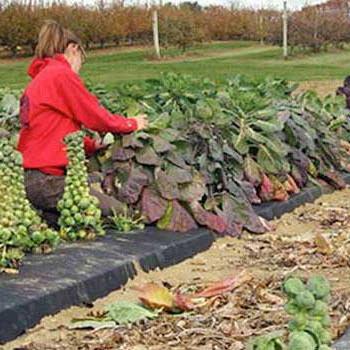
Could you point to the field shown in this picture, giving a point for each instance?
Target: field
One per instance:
(216, 60)
(234, 317)
(216, 154)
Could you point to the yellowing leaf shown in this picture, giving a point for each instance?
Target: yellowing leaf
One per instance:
(156, 297)
(323, 244)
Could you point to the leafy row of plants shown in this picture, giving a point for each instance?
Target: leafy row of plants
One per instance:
(213, 150)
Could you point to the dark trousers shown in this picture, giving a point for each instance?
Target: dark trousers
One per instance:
(44, 191)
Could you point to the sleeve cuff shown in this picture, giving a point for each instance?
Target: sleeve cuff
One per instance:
(89, 145)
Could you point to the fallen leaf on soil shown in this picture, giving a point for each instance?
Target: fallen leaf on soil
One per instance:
(156, 297)
(184, 302)
(225, 286)
(323, 244)
(124, 312)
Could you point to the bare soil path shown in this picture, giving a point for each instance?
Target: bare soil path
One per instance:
(315, 238)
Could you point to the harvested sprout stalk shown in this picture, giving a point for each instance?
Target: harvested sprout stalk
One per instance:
(21, 228)
(80, 216)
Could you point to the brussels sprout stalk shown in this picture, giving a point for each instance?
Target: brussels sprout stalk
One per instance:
(80, 216)
(21, 228)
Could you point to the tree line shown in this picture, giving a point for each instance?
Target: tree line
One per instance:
(312, 28)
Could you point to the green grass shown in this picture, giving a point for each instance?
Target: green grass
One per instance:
(216, 60)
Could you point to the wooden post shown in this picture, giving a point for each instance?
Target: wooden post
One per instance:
(285, 30)
(261, 28)
(156, 33)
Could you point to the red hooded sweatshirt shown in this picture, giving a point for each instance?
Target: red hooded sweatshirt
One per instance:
(54, 104)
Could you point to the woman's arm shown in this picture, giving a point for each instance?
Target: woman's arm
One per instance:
(84, 107)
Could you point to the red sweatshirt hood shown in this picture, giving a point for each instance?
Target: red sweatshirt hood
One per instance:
(38, 64)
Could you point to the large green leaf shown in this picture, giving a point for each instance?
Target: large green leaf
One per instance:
(124, 312)
(267, 160)
(241, 142)
(269, 126)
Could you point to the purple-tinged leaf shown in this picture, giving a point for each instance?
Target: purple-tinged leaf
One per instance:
(194, 191)
(132, 141)
(180, 176)
(167, 187)
(250, 192)
(239, 211)
(266, 189)
(299, 175)
(147, 156)
(122, 154)
(108, 184)
(153, 206)
(176, 159)
(334, 179)
(131, 190)
(210, 220)
(177, 219)
(252, 171)
(161, 145)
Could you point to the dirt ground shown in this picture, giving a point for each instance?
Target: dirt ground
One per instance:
(322, 87)
(315, 238)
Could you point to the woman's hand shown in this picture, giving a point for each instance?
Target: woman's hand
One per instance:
(142, 121)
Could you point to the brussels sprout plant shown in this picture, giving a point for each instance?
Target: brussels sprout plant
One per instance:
(21, 228)
(309, 327)
(80, 216)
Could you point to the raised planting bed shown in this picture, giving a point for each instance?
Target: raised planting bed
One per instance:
(82, 272)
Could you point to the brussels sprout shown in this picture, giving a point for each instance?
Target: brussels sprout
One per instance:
(38, 237)
(78, 218)
(82, 234)
(74, 209)
(320, 309)
(65, 212)
(291, 308)
(300, 320)
(69, 221)
(324, 347)
(84, 203)
(68, 203)
(5, 234)
(293, 286)
(14, 254)
(326, 321)
(293, 326)
(315, 328)
(301, 341)
(319, 287)
(305, 300)
(72, 235)
(325, 337)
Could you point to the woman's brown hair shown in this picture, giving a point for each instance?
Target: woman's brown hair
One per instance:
(54, 39)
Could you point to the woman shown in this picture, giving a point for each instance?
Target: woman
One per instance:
(54, 104)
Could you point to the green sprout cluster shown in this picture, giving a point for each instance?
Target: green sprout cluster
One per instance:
(307, 304)
(80, 216)
(21, 228)
(309, 327)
